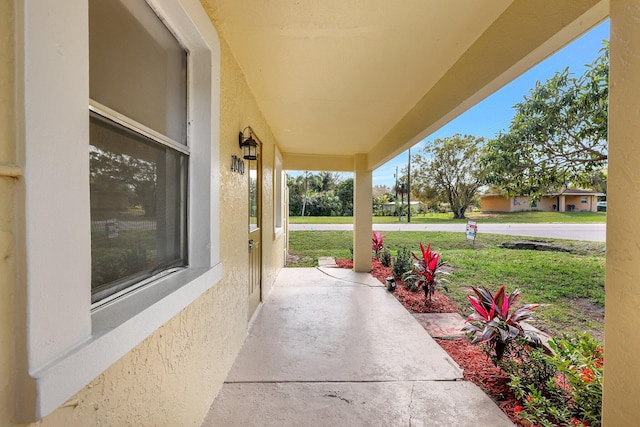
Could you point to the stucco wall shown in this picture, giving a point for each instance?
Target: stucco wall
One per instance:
(7, 221)
(238, 110)
(546, 204)
(503, 204)
(520, 204)
(495, 204)
(622, 341)
(590, 206)
(7, 314)
(172, 376)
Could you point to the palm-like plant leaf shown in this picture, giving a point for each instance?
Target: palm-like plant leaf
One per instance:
(499, 327)
(426, 271)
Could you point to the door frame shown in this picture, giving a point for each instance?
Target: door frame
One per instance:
(254, 303)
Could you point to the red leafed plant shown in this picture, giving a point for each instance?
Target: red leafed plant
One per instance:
(426, 272)
(377, 243)
(494, 324)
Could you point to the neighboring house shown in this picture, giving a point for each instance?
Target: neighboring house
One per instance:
(569, 200)
(130, 308)
(390, 207)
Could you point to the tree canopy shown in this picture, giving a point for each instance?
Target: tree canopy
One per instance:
(449, 168)
(558, 135)
(320, 194)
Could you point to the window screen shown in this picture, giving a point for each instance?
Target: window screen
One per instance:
(138, 151)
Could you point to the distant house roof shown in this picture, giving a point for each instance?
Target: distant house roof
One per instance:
(565, 192)
(577, 192)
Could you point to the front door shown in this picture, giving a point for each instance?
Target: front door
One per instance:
(255, 233)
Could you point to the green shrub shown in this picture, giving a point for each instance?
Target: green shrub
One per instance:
(529, 364)
(402, 262)
(574, 395)
(385, 257)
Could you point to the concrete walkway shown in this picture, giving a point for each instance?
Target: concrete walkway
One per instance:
(588, 232)
(331, 347)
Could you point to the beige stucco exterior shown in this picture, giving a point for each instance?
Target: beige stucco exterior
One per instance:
(173, 375)
(559, 203)
(495, 204)
(622, 303)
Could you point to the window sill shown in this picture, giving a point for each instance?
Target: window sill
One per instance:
(116, 329)
(279, 231)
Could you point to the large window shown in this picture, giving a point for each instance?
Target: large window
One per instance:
(113, 181)
(138, 151)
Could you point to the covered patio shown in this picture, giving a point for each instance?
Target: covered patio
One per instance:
(333, 347)
(327, 85)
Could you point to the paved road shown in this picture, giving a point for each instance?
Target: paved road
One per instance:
(589, 232)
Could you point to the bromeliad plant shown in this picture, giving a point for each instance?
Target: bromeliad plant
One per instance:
(495, 324)
(425, 273)
(377, 243)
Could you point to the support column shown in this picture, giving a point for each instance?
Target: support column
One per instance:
(622, 302)
(562, 203)
(362, 215)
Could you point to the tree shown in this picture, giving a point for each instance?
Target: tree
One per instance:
(421, 189)
(324, 203)
(344, 191)
(401, 189)
(379, 203)
(558, 135)
(449, 166)
(326, 181)
(126, 174)
(379, 190)
(296, 190)
(320, 194)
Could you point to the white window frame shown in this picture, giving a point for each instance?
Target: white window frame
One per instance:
(278, 195)
(66, 343)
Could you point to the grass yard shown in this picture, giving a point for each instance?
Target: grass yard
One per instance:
(488, 218)
(569, 285)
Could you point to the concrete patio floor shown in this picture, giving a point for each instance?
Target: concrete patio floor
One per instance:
(331, 347)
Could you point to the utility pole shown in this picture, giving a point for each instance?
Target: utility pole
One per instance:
(306, 189)
(409, 189)
(396, 200)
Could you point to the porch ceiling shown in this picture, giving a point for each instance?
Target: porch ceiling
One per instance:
(338, 78)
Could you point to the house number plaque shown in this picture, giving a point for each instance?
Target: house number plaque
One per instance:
(237, 165)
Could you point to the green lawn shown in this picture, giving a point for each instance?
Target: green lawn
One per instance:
(447, 218)
(569, 285)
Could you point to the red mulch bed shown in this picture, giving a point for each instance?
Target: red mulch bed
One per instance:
(478, 368)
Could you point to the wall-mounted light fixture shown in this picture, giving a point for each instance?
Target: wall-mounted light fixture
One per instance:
(248, 144)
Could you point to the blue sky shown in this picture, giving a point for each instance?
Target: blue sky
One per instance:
(494, 114)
